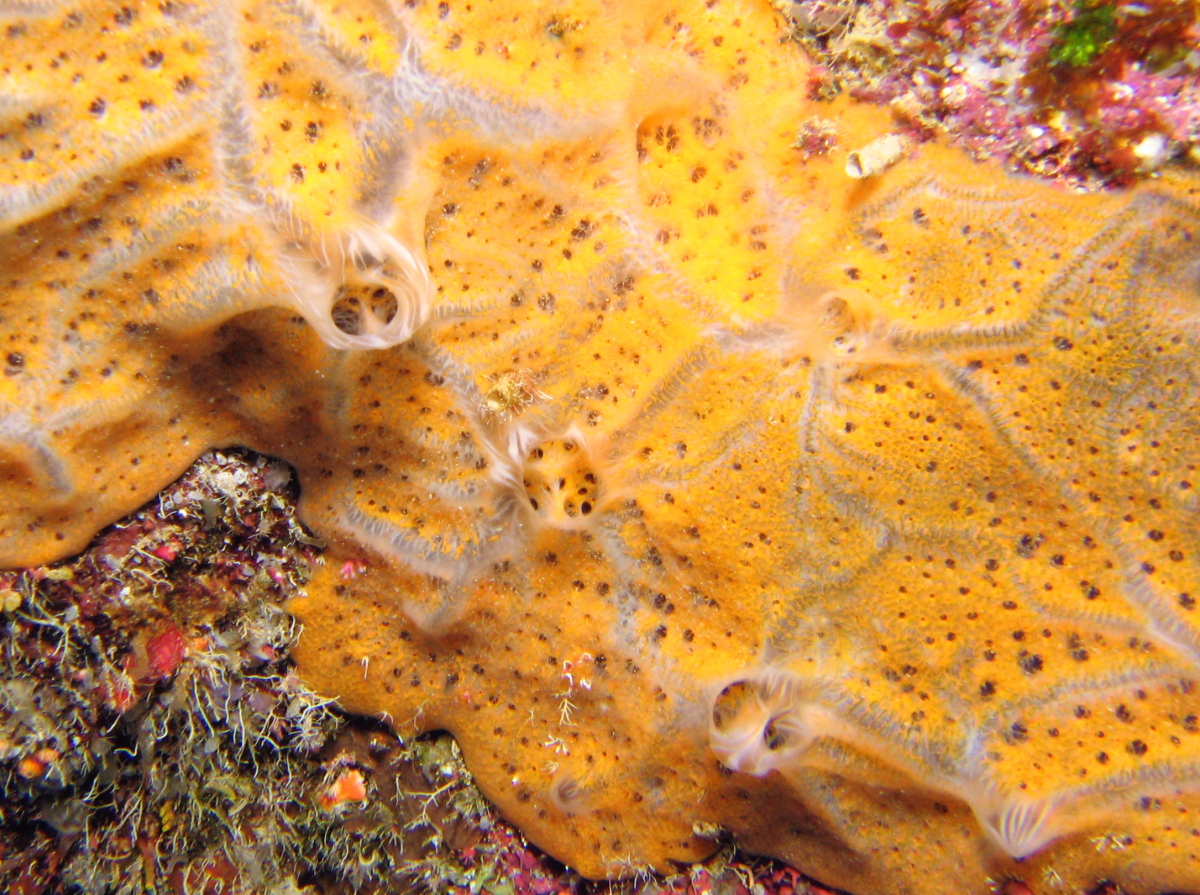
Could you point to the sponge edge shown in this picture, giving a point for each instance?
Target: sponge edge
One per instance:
(359, 289)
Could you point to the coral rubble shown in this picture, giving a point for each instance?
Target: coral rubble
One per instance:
(708, 477)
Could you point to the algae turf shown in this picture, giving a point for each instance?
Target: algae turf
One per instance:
(153, 734)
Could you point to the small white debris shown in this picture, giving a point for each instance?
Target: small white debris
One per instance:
(876, 157)
(1151, 151)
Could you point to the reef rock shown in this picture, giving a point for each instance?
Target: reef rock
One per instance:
(691, 482)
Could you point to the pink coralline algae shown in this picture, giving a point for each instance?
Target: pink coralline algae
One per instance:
(1091, 93)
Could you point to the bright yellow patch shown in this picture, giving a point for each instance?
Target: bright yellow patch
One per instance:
(701, 483)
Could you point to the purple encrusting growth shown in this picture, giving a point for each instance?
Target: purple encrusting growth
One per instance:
(1089, 93)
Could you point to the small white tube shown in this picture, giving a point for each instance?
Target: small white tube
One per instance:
(876, 157)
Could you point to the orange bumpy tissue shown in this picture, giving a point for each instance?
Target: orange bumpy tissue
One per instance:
(691, 477)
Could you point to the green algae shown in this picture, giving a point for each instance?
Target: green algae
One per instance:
(1090, 31)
